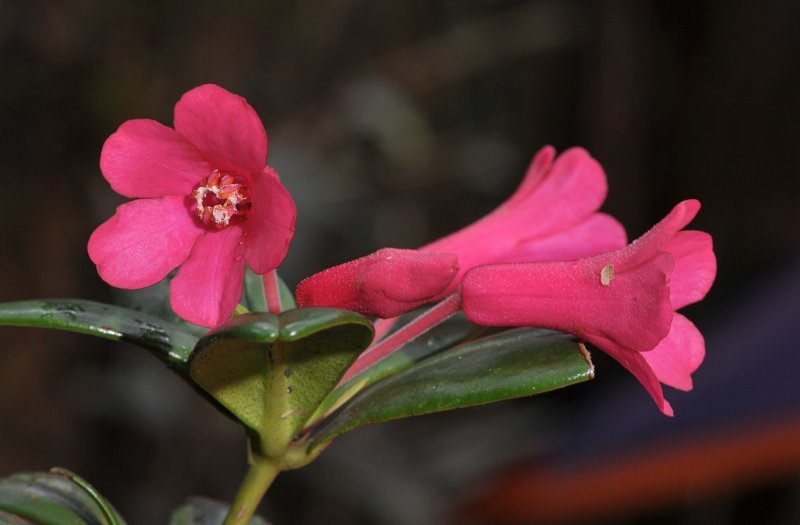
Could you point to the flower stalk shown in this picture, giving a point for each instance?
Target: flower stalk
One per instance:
(272, 293)
(259, 477)
(421, 324)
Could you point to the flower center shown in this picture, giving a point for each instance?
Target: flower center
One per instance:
(221, 200)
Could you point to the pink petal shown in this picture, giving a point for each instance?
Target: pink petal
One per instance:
(384, 284)
(659, 235)
(146, 159)
(678, 355)
(224, 127)
(209, 284)
(537, 171)
(544, 205)
(143, 241)
(270, 225)
(695, 267)
(574, 187)
(635, 363)
(631, 308)
(600, 233)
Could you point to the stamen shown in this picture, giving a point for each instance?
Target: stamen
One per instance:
(221, 199)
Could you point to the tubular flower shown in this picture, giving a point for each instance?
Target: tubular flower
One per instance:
(623, 302)
(205, 202)
(386, 283)
(551, 216)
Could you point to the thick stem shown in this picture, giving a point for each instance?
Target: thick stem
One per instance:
(259, 477)
(272, 292)
(412, 330)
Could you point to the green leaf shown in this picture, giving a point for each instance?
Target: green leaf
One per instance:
(514, 363)
(272, 371)
(442, 336)
(253, 296)
(164, 340)
(204, 511)
(154, 300)
(53, 498)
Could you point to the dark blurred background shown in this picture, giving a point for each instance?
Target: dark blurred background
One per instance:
(393, 123)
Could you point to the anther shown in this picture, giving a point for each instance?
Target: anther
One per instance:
(221, 199)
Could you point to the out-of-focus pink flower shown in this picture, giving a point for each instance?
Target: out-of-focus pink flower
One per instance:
(384, 284)
(552, 216)
(624, 302)
(205, 202)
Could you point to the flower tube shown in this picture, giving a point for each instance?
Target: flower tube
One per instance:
(624, 301)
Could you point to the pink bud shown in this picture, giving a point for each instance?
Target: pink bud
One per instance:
(384, 284)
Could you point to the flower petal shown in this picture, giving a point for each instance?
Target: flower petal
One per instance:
(270, 225)
(678, 355)
(143, 241)
(573, 188)
(695, 267)
(144, 158)
(384, 284)
(224, 127)
(635, 363)
(600, 233)
(659, 235)
(209, 284)
(538, 169)
(545, 204)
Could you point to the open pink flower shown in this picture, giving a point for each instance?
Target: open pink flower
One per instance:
(624, 302)
(206, 202)
(551, 216)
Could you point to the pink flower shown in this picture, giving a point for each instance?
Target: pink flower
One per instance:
(624, 302)
(551, 216)
(206, 202)
(386, 283)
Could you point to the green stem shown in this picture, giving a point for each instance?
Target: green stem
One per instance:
(259, 477)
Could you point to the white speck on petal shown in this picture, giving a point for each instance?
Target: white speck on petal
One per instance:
(606, 274)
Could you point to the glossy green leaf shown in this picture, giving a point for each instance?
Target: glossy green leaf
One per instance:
(514, 363)
(164, 340)
(253, 296)
(154, 300)
(53, 498)
(204, 511)
(272, 371)
(442, 336)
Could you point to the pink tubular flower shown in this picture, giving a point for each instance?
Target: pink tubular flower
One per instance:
(386, 283)
(551, 216)
(624, 301)
(206, 202)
